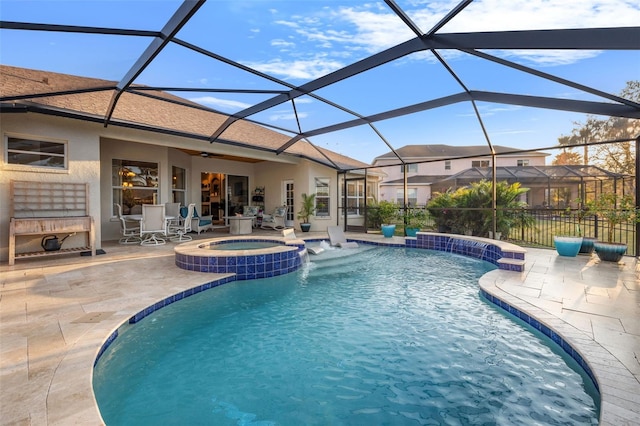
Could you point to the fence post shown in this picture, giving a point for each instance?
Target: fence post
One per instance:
(596, 225)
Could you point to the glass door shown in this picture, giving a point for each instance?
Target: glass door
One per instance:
(289, 201)
(237, 194)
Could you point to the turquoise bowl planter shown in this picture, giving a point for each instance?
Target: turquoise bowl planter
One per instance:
(587, 245)
(567, 246)
(388, 230)
(411, 232)
(610, 252)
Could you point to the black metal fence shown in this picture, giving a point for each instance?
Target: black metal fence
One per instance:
(534, 227)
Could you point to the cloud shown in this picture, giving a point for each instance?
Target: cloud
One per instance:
(348, 33)
(298, 69)
(222, 104)
(282, 44)
(277, 116)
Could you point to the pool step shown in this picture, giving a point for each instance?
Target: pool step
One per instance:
(509, 264)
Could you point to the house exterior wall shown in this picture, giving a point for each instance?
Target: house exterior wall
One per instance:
(83, 155)
(91, 148)
(437, 168)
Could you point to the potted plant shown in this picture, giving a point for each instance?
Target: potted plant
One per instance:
(567, 238)
(307, 209)
(614, 209)
(388, 213)
(416, 220)
(567, 245)
(584, 211)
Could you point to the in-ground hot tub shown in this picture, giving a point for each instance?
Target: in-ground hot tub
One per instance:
(248, 258)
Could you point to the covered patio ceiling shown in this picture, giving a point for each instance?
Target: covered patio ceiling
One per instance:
(376, 76)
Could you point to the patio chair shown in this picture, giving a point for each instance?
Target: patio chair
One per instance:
(181, 230)
(130, 229)
(338, 239)
(198, 223)
(251, 211)
(172, 212)
(274, 220)
(153, 226)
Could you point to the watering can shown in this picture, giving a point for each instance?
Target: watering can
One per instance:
(51, 243)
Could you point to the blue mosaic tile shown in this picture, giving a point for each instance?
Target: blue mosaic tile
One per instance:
(556, 338)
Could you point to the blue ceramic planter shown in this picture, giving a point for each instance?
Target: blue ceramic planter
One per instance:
(587, 245)
(568, 246)
(411, 232)
(610, 252)
(388, 230)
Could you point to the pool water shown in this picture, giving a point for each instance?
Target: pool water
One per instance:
(244, 245)
(381, 336)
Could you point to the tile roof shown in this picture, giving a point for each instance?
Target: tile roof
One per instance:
(447, 151)
(89, 98)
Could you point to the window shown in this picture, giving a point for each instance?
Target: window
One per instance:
(179, 185)
(412, 196)
(36, 153)
(134, 183)
(411, 168)
(447, 165)
(322, 197)
(355, 197)
(523, 163)
(480, 163)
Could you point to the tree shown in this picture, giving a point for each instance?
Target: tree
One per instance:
(567, 157)
(615, 157)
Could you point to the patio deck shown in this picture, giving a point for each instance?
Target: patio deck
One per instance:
(56, 312)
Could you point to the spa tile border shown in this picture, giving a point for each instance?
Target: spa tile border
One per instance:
(264, 263)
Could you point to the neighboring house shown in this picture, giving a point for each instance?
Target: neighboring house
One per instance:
(427, 165)
(155, 149)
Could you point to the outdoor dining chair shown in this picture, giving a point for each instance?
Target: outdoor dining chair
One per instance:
(179, 232)
(130, 229)
(172, 212)
(153, 226)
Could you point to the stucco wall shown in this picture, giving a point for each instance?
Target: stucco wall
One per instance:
(91, 148)
(83, 160)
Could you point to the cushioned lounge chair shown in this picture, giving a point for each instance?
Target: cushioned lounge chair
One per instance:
(275, 220)
(338, 239)
(198, 223)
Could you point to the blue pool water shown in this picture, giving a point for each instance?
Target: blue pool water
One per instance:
(380, 336)
(245, 245)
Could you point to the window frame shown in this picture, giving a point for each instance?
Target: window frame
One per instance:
(175, 190)
(481, 163)
(410, 168)
(119, 185)
(412, 201)
(35, 167)
(323, 197)
(522, 162)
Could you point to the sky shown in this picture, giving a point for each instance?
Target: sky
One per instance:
(298, 41)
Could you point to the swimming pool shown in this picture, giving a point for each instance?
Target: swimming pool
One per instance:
(384, 336)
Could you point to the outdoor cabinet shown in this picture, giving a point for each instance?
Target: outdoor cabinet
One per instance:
(49, 208)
